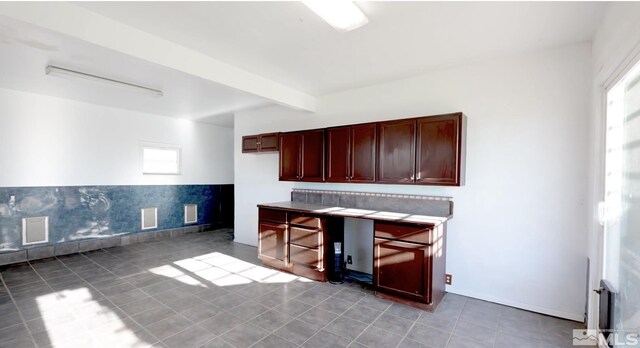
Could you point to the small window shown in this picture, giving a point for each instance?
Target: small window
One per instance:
(160, 160)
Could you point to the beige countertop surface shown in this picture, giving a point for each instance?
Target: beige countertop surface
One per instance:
(358, 213)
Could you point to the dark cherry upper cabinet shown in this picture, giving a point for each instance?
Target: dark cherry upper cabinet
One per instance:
(290, 156)
(351, 153)
(260, 143)
(269, 142)
(396, 151)
(250, 143)
(440, 150)
(426, 150)
(338, 156)
(302, 156)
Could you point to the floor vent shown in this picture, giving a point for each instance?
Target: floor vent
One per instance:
(190, 213)
(149, 217)
(35, 230)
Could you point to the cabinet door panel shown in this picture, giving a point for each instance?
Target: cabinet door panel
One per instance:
(306, 256)
(269, 142)
(407, 233)
(289, 156)
(402, 268)
(277, 216)
(338, 154)
(305, 237)
(272, 241)
(438, 150)
(396, 151)
(363, 153)
(306, 221)
(250, 143)
(312, 155)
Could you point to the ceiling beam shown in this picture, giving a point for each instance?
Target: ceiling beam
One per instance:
(80, 23)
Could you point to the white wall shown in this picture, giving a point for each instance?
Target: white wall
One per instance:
(46, 141)
(358, 240)
(518, 232)
(616, 45)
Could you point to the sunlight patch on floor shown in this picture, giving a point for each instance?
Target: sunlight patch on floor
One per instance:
(73, 318)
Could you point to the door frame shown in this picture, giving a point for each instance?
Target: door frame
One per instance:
(596, 237)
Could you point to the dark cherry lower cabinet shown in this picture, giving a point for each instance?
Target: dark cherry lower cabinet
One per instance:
(351, 153)
(296, 242)
(273, 237)
(409, 259)
(302, 156)
(403, 268)
(409, 262)
(307, 247)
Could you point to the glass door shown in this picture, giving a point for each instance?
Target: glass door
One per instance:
(622, 202)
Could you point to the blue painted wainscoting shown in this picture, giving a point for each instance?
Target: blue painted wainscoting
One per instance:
(79, 213)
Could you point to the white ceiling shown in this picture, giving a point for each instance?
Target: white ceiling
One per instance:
(26, 50)
(287, 43)
(282, 47)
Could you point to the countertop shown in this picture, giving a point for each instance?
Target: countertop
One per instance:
(357, 213)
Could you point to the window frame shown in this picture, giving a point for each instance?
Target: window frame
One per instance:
(156, 146)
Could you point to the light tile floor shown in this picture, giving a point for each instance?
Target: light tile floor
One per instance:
(203, 290)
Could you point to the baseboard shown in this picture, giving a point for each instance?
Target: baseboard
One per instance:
(528, 307)
(89, 244)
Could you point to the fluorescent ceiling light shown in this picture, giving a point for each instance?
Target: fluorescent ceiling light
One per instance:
(62, 72)
(343, 15)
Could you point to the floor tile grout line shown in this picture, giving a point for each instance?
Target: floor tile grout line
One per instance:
(323, 327)
(24, 322)
(99, 291)
(455, 325)
(408, 331)
(53, 291)
(273, 332)
(371, 324)
(106, 298)
(148, 294)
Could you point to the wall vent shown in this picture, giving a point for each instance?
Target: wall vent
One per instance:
(149, 217)
(190, 213)
(35, 230)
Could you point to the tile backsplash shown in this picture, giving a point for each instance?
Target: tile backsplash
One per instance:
(408, 204)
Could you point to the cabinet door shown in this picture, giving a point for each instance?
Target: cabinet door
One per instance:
(338, 159)
(363, 153)
(438, 150)
(402, 268)
(396, 151)
(290, 156)
(312, 166)
(250, 143)
(272, 242)
(268, 142)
